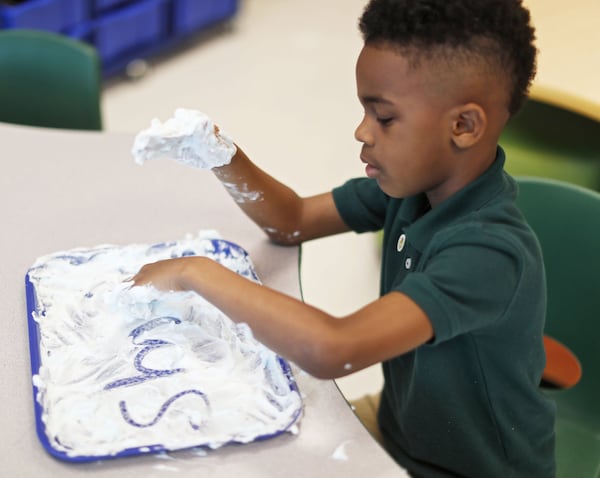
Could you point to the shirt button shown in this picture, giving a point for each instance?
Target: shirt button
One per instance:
(408, 262)
(401, 242)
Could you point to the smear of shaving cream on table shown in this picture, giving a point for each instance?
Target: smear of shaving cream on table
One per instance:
(340, 452)
(189, 137)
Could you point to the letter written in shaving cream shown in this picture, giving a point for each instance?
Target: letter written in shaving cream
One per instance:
(189, 137)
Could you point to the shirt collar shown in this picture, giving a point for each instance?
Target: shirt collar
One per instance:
(465, 201)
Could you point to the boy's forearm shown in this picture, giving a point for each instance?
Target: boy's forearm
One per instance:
(270, 204)
(290, 327)
(285, 217)
(293, 329)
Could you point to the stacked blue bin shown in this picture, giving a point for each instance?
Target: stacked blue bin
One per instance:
(120, 30)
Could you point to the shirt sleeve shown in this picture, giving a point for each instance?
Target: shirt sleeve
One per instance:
(361, 204)
(467, 283)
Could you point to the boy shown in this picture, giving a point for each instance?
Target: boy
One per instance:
(459, 323)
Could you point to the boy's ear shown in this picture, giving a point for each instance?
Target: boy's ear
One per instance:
(469, 123)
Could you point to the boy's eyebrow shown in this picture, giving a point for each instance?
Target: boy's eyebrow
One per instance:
(375, 99)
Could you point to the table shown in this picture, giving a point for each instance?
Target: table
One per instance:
(64, 189)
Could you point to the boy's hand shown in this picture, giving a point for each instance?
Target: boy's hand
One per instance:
(189, 137)
(166, 275)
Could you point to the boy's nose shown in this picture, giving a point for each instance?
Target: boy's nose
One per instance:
(361, 134)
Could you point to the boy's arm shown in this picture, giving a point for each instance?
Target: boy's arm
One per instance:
(192, 139)
(324, 346)
(284, 216)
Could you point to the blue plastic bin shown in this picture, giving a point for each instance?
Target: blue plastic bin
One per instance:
(99, 6)
(50, 15)
(193, 15)
(122, 32)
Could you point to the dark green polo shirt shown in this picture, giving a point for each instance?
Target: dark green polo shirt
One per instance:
(467, 403)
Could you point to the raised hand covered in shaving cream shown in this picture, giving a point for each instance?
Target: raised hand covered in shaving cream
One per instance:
(190, 137)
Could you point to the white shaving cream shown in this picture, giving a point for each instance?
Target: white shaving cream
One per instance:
(242, 194)
(340, 453)
(135, 368)
(189, 137)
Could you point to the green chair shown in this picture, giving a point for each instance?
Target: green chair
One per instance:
(566, 219)
(49, 80)
(545, 140)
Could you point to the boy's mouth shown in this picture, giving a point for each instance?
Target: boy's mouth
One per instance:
(371, 170)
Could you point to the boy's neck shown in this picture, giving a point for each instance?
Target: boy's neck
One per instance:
(473, 164)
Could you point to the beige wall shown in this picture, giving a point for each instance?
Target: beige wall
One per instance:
(568, 35)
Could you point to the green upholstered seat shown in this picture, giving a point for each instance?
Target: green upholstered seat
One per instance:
(49, 80)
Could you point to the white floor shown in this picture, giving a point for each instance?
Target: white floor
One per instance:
(280, 81)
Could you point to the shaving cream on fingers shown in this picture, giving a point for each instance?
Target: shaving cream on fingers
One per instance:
(189, 137)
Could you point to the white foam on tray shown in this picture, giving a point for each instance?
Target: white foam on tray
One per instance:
(134, 368)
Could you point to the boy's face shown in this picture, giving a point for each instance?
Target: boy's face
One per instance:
(407, 124)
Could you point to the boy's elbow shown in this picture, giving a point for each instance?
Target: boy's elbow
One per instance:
(327, 360)
(283, 238)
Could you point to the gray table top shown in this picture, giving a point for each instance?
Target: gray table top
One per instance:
(64, 189)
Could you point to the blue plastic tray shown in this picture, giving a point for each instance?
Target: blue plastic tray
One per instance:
(222, 248)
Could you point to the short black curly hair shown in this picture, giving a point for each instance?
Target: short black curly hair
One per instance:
(498, 31)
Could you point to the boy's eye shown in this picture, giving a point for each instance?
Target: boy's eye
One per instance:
(385, 121)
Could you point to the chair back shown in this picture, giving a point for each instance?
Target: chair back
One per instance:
(566, 219)
(49, 80)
